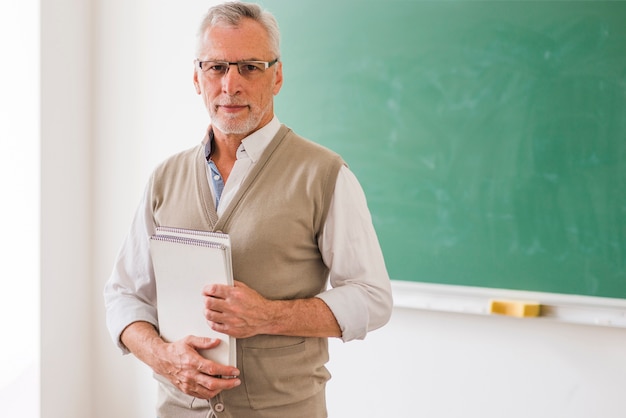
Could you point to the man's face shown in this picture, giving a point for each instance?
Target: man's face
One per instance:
(238, 104)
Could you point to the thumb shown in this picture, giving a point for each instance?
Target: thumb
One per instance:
(202, 343)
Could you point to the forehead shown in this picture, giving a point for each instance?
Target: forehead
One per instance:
(247, 40)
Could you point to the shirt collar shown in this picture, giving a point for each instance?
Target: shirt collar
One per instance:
(254, 144)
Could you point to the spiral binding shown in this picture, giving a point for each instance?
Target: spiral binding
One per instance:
(173, 230)
(188, 241)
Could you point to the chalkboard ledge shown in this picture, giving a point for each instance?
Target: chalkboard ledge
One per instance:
(576, 309)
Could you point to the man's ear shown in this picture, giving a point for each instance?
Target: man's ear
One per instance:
(278, 81)
(196, 83)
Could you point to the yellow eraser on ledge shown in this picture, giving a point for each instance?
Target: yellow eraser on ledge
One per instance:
(519, 309)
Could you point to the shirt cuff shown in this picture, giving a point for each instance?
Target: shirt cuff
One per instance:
(351, 311)
(128, 311)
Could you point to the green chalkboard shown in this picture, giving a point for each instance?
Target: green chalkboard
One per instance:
(490, 137)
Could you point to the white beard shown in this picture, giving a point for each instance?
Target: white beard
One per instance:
(234, 125)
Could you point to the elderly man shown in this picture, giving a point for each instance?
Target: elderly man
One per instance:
(297, 218)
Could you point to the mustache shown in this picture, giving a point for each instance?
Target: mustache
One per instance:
(230, 103)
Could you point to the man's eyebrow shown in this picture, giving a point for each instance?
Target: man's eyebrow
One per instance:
(242, 60)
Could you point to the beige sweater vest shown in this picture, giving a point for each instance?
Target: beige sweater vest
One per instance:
(274, 222)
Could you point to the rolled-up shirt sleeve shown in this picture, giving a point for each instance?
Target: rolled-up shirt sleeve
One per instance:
(130, 292)
(360, 290)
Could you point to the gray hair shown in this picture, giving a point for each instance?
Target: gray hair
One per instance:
(231, 13)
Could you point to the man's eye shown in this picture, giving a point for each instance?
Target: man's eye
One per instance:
(250, 68)
(217, 68)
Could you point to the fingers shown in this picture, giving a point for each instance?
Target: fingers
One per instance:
(204, 386)
(202, 343)
(216, 305)
(206, 382)
(219, 291)
(195, 375)
(205, 366)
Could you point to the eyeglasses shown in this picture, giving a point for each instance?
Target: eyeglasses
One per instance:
(248, 69)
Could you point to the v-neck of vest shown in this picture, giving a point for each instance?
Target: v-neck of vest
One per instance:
(220, 223)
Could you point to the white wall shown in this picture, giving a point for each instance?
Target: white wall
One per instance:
(444, 365)
(118, 101)
(19, 183)
(66, 221)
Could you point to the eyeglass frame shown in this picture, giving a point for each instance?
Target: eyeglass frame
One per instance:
(228, 64)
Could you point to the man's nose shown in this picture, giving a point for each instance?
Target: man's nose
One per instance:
(231, 81)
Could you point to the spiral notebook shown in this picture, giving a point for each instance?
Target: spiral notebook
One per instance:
(184, 261)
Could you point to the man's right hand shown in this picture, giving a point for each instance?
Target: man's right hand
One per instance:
(180, 362)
